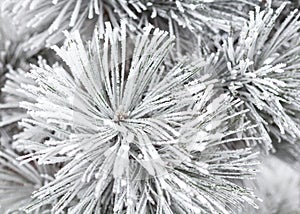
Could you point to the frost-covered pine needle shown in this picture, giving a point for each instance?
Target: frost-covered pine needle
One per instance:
(18, 182)
(201, 18)
(48, 19)
(134, 136)
(10, 55)
(262, 69)
(12, 114)
(206, 20)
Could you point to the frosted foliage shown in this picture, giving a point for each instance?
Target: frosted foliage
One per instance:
(11, 113)
(262, 69)
(10, 54)
(149, 106)
(19, 181)
(135, 137)
(204, 19)
(12, 58)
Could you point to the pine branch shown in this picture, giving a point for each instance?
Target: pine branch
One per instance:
(262, 69)
(134, 136)
(200, 18)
